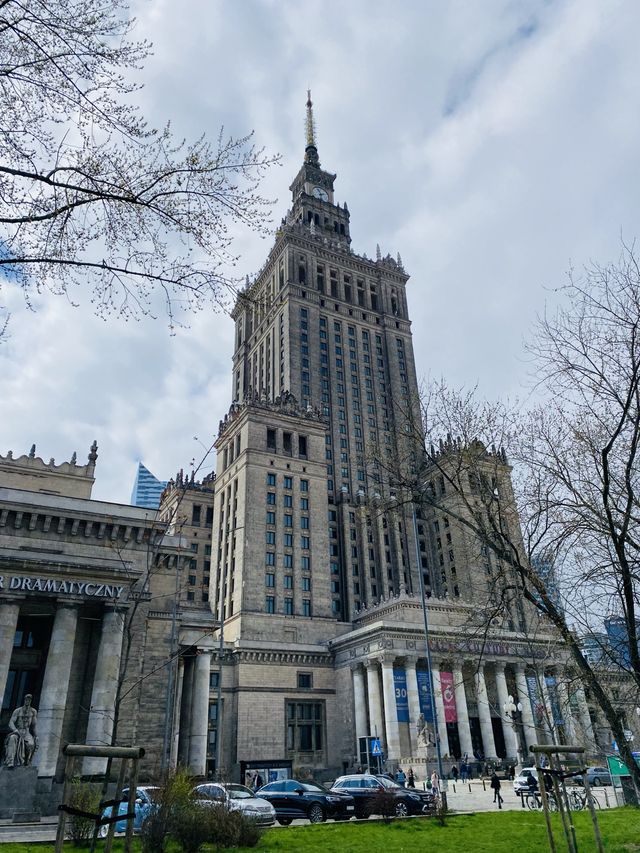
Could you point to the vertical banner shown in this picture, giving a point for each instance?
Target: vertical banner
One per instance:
(424, 694)
(537, 705)
(554, 701)
(402, 700)
(448, 697)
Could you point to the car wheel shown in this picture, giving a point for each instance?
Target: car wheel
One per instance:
(596, 782)
(103, 831)
(316, 815)
(284, 821)
(401, 810)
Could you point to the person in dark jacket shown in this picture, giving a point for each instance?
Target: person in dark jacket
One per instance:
(495, 784)
(411, 779)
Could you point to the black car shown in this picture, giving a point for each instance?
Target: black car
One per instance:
(369, 792)
(293, 799)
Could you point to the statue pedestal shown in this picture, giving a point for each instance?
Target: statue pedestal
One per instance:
(17, 791)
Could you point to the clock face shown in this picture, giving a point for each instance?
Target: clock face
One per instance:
(323, 195)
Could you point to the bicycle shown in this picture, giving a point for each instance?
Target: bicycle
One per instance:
(534, 801)
(578, 801)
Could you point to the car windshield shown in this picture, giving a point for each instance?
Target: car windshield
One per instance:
(313, 786)
(239, 792)
(387, 783)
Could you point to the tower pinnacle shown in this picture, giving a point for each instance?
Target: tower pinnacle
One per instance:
(310, 152)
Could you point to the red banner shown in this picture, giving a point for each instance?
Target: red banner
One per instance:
(448, 697)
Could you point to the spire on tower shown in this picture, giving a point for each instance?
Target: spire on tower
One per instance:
(311, 151)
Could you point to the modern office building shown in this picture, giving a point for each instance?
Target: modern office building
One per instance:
(147, 489)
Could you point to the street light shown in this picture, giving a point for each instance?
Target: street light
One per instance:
(511, 708)
(427, 643)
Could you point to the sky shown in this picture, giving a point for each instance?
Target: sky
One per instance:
(494, 145)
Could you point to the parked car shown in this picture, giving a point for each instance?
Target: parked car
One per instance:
(596, 775)
(294, 799)
(144, 803)
(366, 787)
(522, 781)
(238, 798)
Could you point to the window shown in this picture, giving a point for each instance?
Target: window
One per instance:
(306, 607)
(270, 558)
(271, 479)
(288, 540)
(306, 584)
(196, 512)
(305, 680)
(288, 607)
(270, 579)
(305, 563)
(288, 500)
(287, 561)
(305, 726)
(271, 439)
(271, 518)
(271, 498)
(288, 582)
(288, 520)
(304, 522)
(271, 537)
(286, 443)
(270, 604)
(304, 503)
(288, 482)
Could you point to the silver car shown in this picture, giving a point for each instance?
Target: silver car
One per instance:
(238, 798)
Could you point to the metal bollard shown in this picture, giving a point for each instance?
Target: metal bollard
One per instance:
(606, 797)
(484, 787)
(469, 787)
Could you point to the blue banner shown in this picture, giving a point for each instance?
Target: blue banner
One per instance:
(402, 700)
(424, 694)
(554, 701)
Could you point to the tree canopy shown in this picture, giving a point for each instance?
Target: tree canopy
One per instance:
(90, 195)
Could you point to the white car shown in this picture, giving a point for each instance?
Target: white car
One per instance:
(521, 781)
(238, 798)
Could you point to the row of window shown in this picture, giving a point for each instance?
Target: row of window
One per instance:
(287, 606)
(287, 582)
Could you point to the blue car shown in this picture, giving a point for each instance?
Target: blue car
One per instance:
(145, 800)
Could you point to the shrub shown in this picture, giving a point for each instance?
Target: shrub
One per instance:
(87, 798)
(173, 797)
(384, 803)
(192, 825)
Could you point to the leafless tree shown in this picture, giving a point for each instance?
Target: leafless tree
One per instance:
(90, 195)
(565, 541)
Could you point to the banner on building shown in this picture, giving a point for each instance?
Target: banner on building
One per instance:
(424, 694)
(402, 700)
(448, 697)
(554, 701)
(537, 705)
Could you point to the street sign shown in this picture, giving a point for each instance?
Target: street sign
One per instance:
(376, 747)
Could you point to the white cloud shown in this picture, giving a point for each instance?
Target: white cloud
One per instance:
(489, 143)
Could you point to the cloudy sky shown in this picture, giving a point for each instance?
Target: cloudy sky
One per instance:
(493, 144)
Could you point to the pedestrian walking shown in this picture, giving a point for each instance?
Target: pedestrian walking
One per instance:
(464, 773)
(411, 779)
(435, 784)
(495, 784)
(454, 772)
(401, 777)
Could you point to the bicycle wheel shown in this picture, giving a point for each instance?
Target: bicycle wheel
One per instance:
(596, 802)
(575, 801)
(533, 802)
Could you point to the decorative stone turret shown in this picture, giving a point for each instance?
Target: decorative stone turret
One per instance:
(31, 473)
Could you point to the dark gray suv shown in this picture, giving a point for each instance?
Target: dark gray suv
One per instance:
(369, 792)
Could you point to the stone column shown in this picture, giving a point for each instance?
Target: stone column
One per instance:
(464, 731)
(565, 712)
(439, 703)
(585, 721)
(528, 724)
(375, 703)
(484, 712)
(413, 699)
(508, 724)
(177, 712)
(359, 703)
(390, 710)
(185, 712)
(55, 685)
(9, 611)
(200, 714)
(105, 685)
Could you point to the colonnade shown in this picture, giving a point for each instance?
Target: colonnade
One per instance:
(56, 679)
(387, 696)
(191, 722)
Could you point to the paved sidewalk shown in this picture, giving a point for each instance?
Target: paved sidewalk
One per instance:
(472, 797)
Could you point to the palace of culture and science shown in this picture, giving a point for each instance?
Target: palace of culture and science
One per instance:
(282, 621)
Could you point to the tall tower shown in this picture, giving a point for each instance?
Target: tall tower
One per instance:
(331, 328)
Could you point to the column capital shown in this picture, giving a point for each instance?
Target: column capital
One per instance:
(500, 665)
(64, 604)
(371, 663)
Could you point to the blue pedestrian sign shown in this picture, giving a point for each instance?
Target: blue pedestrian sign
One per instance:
(376, 748)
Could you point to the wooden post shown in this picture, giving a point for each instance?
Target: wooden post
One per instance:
(69, 768)
(592, 809)
(133, 784)
(545, 805)
(116, 809)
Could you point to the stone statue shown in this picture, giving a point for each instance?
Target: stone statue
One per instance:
(22, 740)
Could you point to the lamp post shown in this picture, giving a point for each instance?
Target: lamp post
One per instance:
(511, 708)
(425, 618)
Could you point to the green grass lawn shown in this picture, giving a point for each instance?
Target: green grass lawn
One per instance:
(508, 832)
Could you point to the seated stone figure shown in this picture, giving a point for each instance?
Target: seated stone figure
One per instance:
(22, 740)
